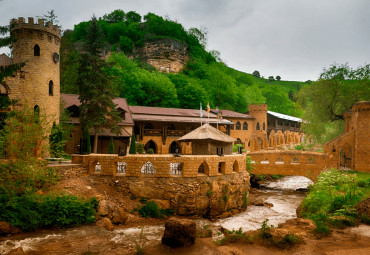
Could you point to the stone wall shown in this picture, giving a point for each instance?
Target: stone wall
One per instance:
(351, 149)
(303, 163)
(166, 55)
(187, 192)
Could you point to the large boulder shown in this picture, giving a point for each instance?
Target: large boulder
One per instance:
(18, 251)
(119, 216)
(105, 208)
(179, 232)
(105, 223)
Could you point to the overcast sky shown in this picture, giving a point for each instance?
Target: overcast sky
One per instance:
(295, 39)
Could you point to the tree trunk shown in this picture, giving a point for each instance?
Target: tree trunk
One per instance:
(96, 142)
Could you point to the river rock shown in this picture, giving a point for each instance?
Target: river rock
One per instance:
(179, 232)
(6, 228)
(119, 216)
(105, 208)
(105, 223)
(18, 251)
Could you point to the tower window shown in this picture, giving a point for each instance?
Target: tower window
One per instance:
(51, 88)
(258, 126)
(36, 50)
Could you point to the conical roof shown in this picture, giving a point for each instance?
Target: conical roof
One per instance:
(205, 132)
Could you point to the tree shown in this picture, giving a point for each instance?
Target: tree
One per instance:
(271, 78)
(115, 16)
(111, 146)
(86, 145)
(98, 110)
(50, 16)
(335, 92)
(133, 144)
(278, 78)
(256, 74)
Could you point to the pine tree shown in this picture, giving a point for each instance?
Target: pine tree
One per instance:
(133, 145)
(98, 110)
(111, 146)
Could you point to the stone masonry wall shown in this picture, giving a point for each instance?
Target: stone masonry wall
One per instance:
(189, 192)
(303, 163)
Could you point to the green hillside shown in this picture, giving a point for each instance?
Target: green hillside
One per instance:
(203, 79)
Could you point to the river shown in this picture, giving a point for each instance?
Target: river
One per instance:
(94, 240)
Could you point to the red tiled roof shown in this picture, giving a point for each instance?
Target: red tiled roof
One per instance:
(232, 114)
(72, 99)
(160, 114)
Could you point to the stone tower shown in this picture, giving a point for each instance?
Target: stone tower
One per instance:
(37, 84)
(259, 111)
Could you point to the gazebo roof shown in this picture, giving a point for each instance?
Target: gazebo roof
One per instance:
(205, 132)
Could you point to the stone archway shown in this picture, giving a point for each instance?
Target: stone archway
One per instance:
(174, 147)
(151, 145)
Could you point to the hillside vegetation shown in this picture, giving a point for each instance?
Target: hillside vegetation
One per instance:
(204, 78)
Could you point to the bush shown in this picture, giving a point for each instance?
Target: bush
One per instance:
(29, 212)
(234, 236)
(151, 209)
(150, 151)
(288, 241)
(140, 148)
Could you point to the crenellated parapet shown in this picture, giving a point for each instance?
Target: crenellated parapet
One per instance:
(49, 31)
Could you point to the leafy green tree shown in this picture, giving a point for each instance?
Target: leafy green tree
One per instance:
(132, 16)
(133, 144)
(271, 78)
(50, 16)
(115, 16)
(278, 78)
(86, 146)
(111, 146)
(98, 110)
(335, 92)
(256, 74)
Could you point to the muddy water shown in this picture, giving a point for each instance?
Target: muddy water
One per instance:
(94, 240)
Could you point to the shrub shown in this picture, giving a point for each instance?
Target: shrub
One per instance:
(151, 209)
(250, 166)
(265, 230)
(140, 148)
(150, 151)
(288, 241)
(111, 146)
(234, 236)
(133, 144)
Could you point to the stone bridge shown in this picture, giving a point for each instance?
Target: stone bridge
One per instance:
(303, 163)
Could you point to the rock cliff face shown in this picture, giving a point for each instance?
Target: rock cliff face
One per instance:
(166, 55)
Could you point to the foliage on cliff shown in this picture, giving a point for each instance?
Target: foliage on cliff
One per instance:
(204, 78)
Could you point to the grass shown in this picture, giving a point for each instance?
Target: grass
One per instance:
(330, 202)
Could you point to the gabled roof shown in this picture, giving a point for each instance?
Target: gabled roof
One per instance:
(121, 103)
(161, 114)
(232, 114)
(284, 117)
(207, 132)
(5, 60)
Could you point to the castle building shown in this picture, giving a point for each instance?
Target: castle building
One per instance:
(35, 86)
(351, 150)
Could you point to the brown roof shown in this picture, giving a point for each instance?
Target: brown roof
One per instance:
(160, 114)
(107, 132)
(232, 114)
(72, 99)
(205, 132)
(5, 60)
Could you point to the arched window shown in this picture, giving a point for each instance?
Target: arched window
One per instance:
(245, 126)
(51, 88)
(36, 50)
(36, 112)
(258, 126)
(264, 126)
(238, 126)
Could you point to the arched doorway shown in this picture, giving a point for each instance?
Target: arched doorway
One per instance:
(346, 157)
(151, 145)
(174, 148)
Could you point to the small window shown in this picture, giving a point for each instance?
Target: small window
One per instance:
(148, 168)
(121, 167)
(245, 126)
(231, 127)
(176, 168)
(264, 126)
(258, 126)
(51, 88)
(238, 126)
(36, 111)
(97, 168)
(36, 50)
